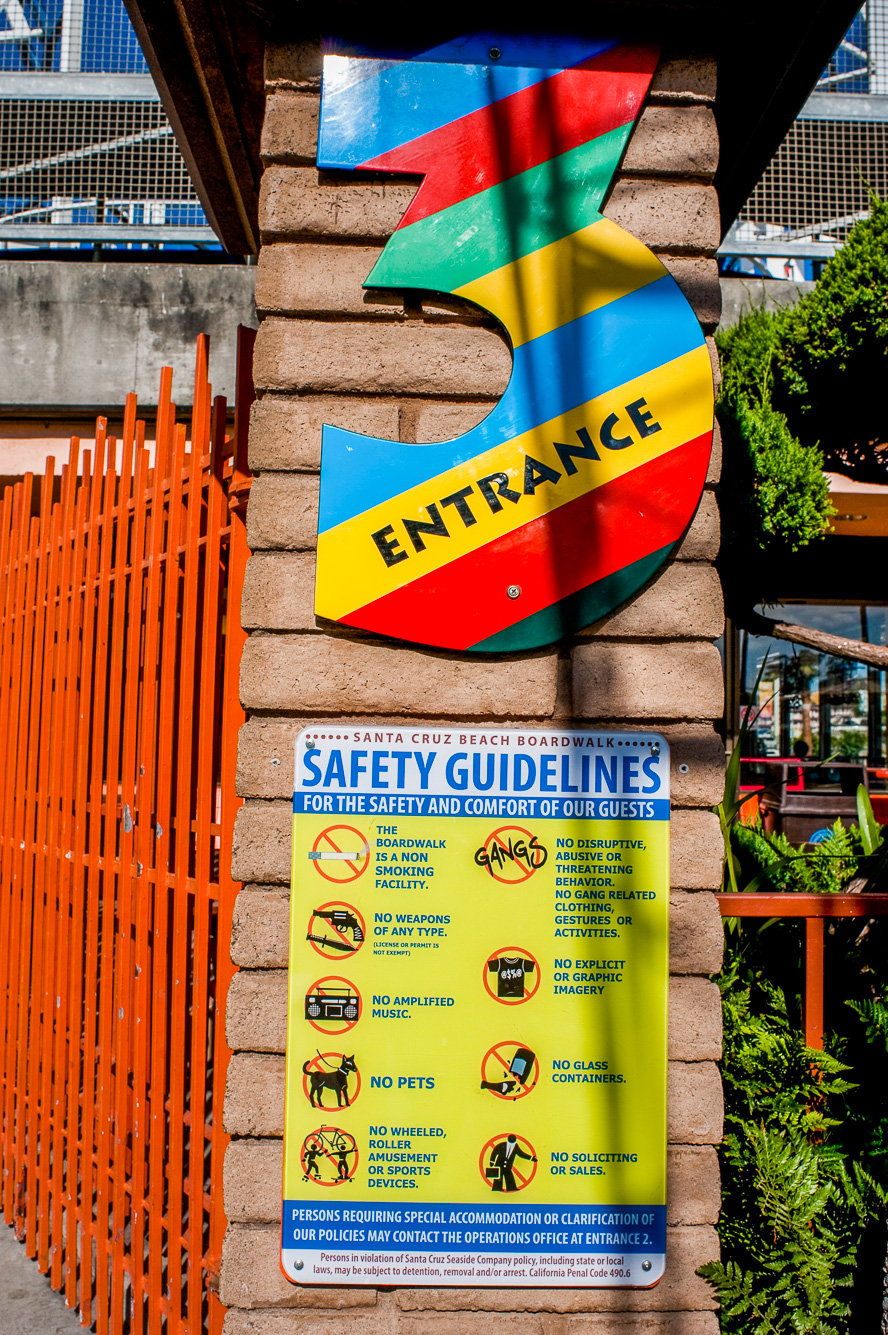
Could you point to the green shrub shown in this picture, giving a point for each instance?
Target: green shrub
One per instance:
(805, 1155)
(785, 502)
(747, 351)
(773, 496)
(796, 1201)
(830, 354)
(770, 863)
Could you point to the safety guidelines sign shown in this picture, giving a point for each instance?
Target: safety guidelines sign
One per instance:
(476, 1051)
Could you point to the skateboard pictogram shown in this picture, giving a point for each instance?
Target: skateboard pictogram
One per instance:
(508, 1162)
(511, 975)
(336, 929)
(511, 854)
(509, 1071)
(332, 1005)
(329, 1157)
(340, 854)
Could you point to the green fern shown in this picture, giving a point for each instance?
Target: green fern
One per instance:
(794, 1203)
(769, 862)
(875, 1019)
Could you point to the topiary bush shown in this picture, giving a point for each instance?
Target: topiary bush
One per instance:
(830, 355)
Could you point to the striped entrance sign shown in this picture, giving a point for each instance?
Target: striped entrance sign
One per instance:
(574, 490)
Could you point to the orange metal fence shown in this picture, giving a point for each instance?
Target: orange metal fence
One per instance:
(119, 649)
(813, 909)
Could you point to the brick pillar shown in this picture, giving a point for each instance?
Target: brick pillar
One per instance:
(427, 371)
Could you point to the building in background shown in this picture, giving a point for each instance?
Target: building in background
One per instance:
(818, 183)
(90, 169)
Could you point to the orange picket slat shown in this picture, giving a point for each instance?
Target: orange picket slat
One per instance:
(120, 644)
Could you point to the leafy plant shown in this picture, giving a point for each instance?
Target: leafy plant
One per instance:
(770, 863)
(805, 1155)
(832, 348)
(747, 352)
(874, 866)
(784, 501)
(795, 1206)
(850, 744)
(875, 1020)
(773, 496)
(870, 830)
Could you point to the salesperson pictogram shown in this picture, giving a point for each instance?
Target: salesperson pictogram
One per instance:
(501, 1164)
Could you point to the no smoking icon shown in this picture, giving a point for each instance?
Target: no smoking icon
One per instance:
(340, 854)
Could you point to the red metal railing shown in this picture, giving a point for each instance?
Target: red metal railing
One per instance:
(119, 650)
(813, 909)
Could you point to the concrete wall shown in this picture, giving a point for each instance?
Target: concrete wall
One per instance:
(741, 295)
(80, 337)
(326, 353)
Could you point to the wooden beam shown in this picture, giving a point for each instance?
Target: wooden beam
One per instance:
(206, 57)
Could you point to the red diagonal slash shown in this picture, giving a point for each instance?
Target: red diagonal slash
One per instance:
(348, 862)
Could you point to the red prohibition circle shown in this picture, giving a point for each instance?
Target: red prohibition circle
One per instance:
(318, 926)
(498, 1058)
(524, 1144)
(329, 1140)
(327, 996)
(525, 872)
(334, 848)
(327, 1063)
(489, 978)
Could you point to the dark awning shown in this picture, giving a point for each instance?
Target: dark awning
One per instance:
(207, 60)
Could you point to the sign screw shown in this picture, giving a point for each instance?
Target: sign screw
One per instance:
(495, 53)
(300, 1264)
(683, 769)
(514, 590)
(645, 1265)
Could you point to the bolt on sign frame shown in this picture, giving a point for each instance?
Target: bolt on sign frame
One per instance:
(120, 644)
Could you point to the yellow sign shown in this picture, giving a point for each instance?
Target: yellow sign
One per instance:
(476, 1052)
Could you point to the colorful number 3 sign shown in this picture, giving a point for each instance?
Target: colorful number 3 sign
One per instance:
(568, 497)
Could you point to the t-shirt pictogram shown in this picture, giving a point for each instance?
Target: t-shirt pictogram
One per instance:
(510, 971)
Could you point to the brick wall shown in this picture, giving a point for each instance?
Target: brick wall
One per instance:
(327, 352)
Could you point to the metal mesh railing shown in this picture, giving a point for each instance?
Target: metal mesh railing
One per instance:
(819, 181)
(818, 184)
(87, 154)
(86, 162)
(877, 45)
(849, 69)
(88, 36)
